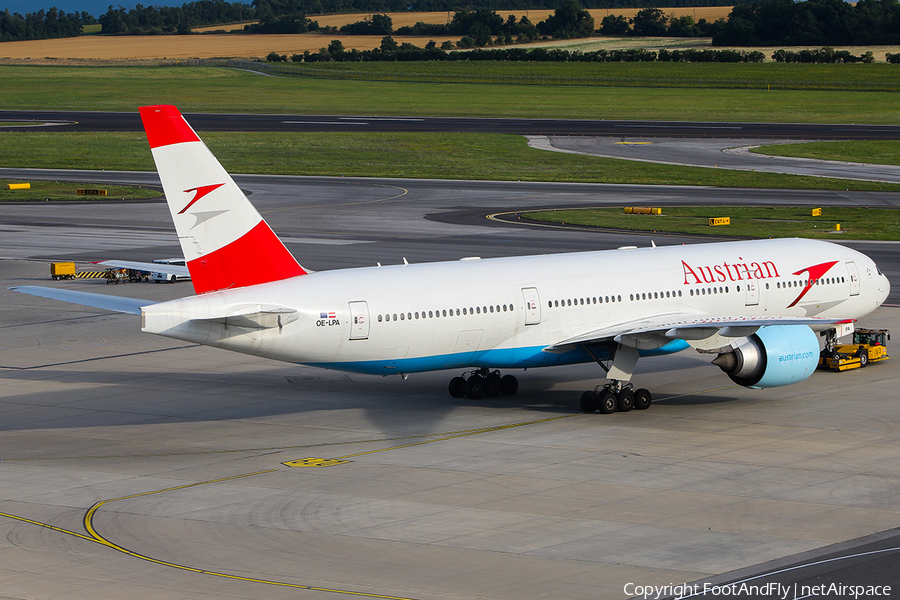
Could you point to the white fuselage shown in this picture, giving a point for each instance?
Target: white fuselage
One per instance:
(507, 312)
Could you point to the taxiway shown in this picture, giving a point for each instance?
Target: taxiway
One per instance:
(135, 466)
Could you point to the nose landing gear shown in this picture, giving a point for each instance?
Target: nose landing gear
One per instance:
(483, 382)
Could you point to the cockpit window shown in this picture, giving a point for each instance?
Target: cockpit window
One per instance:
(877, 268)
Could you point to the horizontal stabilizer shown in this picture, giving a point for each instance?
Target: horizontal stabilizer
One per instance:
(131, 306)
(254, 316)
(178, 270)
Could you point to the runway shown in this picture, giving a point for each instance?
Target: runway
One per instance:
(130, 121)
(161, 464)
(709, 145)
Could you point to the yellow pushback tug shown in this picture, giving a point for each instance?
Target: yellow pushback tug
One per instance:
(868, 346)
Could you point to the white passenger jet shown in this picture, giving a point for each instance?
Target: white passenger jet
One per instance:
(755, 305)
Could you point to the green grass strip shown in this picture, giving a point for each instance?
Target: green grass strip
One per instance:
(881, 152)
(407, 155)
(746, 221)
(758, 76)
(211, 89)
(56, 191)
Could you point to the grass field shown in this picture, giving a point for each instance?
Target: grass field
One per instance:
(746, 221)
(762, 75)
(883, 152)
(409, 155)
(51, 190)
(213, 89)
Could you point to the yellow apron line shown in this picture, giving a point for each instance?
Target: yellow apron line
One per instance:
(96, 537)
(232, 451)
(459, 434)
(493, 217)
(47, 526)
(404, 192)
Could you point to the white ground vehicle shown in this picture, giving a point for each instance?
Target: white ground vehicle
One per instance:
(157, 276)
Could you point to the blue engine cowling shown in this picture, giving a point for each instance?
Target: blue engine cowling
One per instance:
(773, 356)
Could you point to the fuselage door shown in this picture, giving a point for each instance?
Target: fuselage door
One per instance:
(359, 321)
(532, 306)
(854, 278)
(752, 293)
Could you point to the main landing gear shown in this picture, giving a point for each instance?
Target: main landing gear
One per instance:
(483, 382)
(615, 396)
(619, 394)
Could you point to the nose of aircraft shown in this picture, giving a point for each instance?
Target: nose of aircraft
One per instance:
(884, 289)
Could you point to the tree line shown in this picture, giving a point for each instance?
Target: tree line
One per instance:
(485, 27)
(174, 19)
(763, 22)
(812, 23)
(652, 22)
(42, 25)
(312, 7)
(391, 50)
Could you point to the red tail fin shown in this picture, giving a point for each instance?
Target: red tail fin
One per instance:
(226, 242)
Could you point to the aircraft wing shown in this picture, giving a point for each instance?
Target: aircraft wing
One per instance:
(178, 270)
(131, 306)
(697, 328)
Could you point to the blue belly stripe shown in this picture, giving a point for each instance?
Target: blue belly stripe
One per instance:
(500, 358)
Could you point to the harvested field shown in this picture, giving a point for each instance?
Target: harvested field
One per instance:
(403, 19)
(182, 46)
(257, 46)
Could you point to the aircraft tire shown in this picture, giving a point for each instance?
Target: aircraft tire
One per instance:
(457, 387)
(474, 387)
(642, 399)
(492, 385)
(608, 402)
(625, 400)
(590, 402)
(509, 385)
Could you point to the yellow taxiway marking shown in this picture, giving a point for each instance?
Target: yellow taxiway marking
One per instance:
(257, 450)
(403, 192)
(449, 436)
(95, 537)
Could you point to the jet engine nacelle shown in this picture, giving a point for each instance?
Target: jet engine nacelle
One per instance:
(773, 356)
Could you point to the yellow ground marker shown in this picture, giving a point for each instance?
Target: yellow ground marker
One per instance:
(314, 462)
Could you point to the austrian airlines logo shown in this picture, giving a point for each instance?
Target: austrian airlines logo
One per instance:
(201, 191)
(814, 273)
